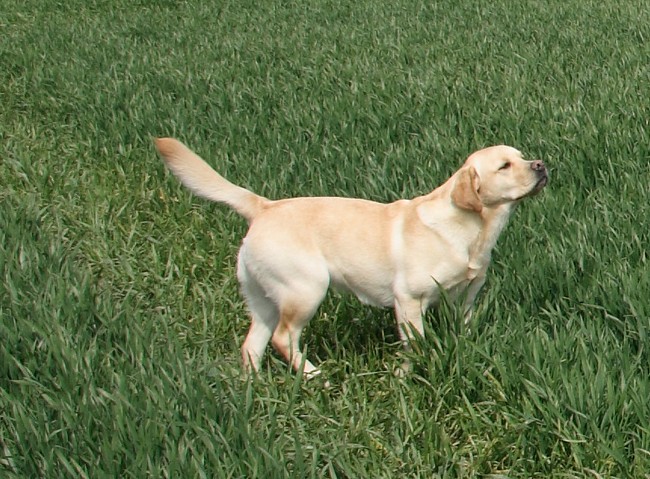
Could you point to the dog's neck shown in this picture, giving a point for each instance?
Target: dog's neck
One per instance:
(494, 219)
(483, 227)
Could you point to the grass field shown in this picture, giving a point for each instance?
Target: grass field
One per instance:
(121, 320)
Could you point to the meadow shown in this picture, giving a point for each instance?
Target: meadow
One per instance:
(120, 315)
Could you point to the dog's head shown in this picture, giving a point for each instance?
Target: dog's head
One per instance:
(495, 176)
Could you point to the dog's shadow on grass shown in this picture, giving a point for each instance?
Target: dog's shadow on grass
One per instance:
(345, 330)
(359, 337)
(348, 336)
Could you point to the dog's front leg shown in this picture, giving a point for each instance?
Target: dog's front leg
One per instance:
(472, 291)
(408, 313)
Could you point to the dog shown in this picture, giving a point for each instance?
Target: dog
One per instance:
(398, 255)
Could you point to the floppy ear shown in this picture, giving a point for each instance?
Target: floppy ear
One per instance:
(465, 192)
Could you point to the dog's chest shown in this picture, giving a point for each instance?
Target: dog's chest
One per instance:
(441, 264)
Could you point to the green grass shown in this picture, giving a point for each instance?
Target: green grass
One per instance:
(120, 315)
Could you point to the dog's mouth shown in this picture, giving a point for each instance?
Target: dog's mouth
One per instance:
(541, 183)
(539, 186)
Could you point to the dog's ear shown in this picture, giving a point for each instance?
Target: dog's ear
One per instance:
(465, 192)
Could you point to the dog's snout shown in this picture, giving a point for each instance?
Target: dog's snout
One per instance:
(538, 165)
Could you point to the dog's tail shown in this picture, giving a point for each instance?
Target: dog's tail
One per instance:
(199, 177)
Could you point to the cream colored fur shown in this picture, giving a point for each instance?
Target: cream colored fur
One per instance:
(394, 255)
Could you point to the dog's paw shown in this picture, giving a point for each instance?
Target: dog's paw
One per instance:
(404, 369)
(314, 373)
(311, 375)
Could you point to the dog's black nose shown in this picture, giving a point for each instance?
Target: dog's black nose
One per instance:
(538, 165)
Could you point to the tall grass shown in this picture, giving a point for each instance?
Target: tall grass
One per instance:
(120, 315)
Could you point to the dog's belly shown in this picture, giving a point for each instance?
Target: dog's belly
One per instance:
(372, 289)
(425, 280)
(378, 284)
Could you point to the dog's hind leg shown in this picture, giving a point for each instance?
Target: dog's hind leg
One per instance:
(283, 291)
(264, 319)
(295, 313)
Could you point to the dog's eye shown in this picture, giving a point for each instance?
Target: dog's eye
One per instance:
(505, 166)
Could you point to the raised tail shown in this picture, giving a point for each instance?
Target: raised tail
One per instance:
(199, 177)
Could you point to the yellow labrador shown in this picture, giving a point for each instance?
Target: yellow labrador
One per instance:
(394, 255)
